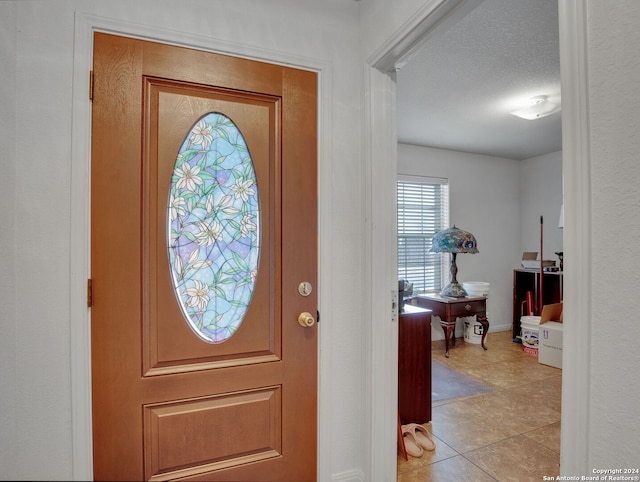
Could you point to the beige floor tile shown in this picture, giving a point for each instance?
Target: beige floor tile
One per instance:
(500, 348)
(547, 392)
(451, 469)
(517, 459)
(465, 429)
(441, 452)
(509, 434)
(519, 413)
(514, 373)
(549, 436)
(467, 398)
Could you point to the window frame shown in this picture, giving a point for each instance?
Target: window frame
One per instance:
(438, 221)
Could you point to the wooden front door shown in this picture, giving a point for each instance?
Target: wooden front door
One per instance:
(167, 403)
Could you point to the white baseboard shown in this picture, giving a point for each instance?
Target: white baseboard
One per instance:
(354, 475)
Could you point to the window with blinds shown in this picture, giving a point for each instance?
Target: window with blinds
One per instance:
(423, 210)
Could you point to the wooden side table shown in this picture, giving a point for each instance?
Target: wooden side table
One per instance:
(414, 365)
(450, 309)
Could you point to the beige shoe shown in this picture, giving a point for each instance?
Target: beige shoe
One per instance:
(410, 443)
(421, 435)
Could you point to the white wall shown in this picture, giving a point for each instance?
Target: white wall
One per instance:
(8, 39)
(37, 59)
(541, 195)
(485, 200)
(614, 83)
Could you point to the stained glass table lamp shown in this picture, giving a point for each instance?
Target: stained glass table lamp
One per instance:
(454, 240)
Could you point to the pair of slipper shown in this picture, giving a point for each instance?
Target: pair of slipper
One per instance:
(416, 439)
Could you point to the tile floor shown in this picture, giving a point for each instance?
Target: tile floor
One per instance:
(509, 434)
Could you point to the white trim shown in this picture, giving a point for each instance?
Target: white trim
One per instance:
(576, 173)
(85, 26)
(380, 115)
(381, 275)
(80, 317)
(354, 475)
(423, 179)
(410, 38)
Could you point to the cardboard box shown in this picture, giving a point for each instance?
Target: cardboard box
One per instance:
(530, 261)
(550, 336)
(551, 312)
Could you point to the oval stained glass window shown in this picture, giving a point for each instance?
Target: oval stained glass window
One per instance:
(213, 218)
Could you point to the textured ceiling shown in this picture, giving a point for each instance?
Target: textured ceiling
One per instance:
(456, 92)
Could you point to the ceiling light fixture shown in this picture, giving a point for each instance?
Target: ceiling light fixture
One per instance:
(537, 108)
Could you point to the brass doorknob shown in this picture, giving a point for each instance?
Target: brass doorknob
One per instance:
(306, 319)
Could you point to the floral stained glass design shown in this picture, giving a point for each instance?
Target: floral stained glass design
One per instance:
(213, 230)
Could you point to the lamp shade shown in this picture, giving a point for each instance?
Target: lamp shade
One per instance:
(454, 240)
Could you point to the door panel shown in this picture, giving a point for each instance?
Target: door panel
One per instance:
(167, 404)
(254, 412)
(171, 344)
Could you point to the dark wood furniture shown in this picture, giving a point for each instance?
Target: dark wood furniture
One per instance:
(450, 309)
(529, 280)
(414, 365)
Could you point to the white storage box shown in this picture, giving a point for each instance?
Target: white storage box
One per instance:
(550, 344)
(550, 336)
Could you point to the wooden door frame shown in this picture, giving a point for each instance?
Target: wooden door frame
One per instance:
(80, 226)
(381, 161)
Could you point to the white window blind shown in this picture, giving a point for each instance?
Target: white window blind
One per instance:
(423, 210)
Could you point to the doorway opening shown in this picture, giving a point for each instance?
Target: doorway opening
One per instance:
(442, 117)
(382, 166)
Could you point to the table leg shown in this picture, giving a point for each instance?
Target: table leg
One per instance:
(482, 319)
(449, 329)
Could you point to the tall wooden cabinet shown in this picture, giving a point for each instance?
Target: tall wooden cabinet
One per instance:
(414, 365)
(525, 280)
